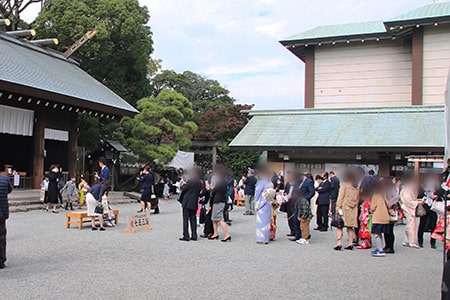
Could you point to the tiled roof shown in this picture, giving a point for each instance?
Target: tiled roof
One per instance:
(400, 127)
(340, 30)
(434, 10)
(46, 70)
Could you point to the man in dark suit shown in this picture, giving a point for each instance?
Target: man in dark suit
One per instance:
(323, 203)
(307, 187)
(104, 172)
(335, 186)
(249, 192)
(189, 198)
(5, 189)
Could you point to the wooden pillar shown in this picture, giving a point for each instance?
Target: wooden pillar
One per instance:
(214, 155)
(385, 165)
(309, 77)
(417, 67)
(38, 149)
(73, 147)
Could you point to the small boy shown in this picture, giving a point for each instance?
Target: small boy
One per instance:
(304, 216)
(70, 192)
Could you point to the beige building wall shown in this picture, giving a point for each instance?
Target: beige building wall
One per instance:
(436, 61)
(363, 75)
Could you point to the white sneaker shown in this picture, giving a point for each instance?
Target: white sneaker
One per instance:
(303, 242)
(405, 244)
(300, 241)
(415, 246)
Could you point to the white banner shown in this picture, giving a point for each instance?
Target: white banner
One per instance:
(16, 121)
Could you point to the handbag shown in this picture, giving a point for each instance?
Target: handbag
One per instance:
(283, 207)
(393, 214)
(438, 207)
(337, 222)
(420, 211)
(99, 209)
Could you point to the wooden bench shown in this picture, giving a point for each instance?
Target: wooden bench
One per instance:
(239, 201)
(81, 215)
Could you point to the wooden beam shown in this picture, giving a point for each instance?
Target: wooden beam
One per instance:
(309, 77)
(73, 146)
(209, 143)
(38, 149)
(417, 66)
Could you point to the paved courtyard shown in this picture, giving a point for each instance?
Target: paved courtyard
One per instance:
(48, 261)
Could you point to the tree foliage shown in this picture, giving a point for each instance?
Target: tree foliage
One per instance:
(221, 124)
(239, 161)
(203, 93)
(11, 9)
(118, 56)
(162, 127)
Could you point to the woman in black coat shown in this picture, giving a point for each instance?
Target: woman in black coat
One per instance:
(54, 175)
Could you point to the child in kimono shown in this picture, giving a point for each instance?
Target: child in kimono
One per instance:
(364, 231)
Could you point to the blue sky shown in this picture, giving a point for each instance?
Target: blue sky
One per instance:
(236, 41)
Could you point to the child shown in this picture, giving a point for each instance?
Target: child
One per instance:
(83, 187)
(70, 192)
(364, 233)
(380, 219)
(304, 216)
(44, 188)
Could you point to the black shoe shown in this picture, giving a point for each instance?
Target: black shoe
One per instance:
(349, 247)
(317, 228)
(294, 239)
(338, 248)
(213, 238)
(389, 251)
(184, 240)
(228, 239)
(229, 223)
(205, 236)
(94, 228)
(139, 211)
(421, 245)
(290, 234)
(433, 246)
(323, 230)
(2, 266)
(156, 210)
(193, 239)
(102, 229)
(309, 237)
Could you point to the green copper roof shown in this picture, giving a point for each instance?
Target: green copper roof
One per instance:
(340, 30)
(399, 127)
(434, 10)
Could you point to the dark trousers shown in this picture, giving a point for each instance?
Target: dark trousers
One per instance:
(208, 224)
(427, 224)
(322, 216)
(2, 242)
(294, 224)
(189, 217)
(389, 238)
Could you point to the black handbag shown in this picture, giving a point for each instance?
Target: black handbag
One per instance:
(283, 207)
(337, 222)
(99, 209)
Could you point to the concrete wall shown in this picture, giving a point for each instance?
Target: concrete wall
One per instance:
(363, 75)
(436, 61)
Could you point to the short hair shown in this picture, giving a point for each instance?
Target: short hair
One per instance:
(318, 177)
(102, 160)
(332, 173)
(325, 175)
(371, 172)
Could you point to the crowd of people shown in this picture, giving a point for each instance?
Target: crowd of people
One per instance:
(363, 204)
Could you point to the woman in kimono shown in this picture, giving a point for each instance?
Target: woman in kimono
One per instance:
(264, 195)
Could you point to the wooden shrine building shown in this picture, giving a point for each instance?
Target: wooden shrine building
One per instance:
(41, 95)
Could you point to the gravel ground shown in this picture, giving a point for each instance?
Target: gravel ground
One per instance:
(48, 261)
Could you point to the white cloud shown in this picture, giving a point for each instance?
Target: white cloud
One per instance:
(274, 30)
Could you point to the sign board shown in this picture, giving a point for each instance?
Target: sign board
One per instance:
(138, 221)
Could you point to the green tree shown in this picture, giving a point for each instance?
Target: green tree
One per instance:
(162, 127)
(118, 56)
(203, 93)
(11, 9)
